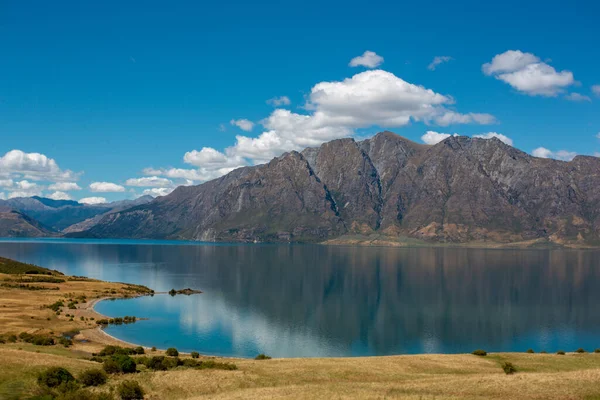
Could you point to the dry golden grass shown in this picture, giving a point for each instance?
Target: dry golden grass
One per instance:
(437, 377)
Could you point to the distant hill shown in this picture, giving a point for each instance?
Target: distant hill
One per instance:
(460, 190)
(16, 224)
(39, 216)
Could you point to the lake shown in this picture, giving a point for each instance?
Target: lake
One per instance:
(313, 301)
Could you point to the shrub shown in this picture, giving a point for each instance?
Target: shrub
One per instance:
(42, 341)
(530, 351)
(139, 350)
(126, 364)
(191, 363)
(172, 352)
(480, 352)
(172, 292)
(262, 356)
(65, 341)
(580, 350)
(210, 364)
(195, 354)
(153, 348)
(111, 366)
(93, 377)
(597, 351)
(130, 390)
(508, 368)
(54, 377)
(560, 353)
(543, 352)
(11, 338)
(156, 363)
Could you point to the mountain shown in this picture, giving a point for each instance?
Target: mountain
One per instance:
(55, 214)
(39, 216)
(115, 206)
(461, 190)
(15, 224)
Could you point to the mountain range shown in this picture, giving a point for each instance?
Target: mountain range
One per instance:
(460, 190)
(43, 217)
(382, 190)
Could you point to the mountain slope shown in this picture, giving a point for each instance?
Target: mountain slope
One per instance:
(16, 224)
(459, 190)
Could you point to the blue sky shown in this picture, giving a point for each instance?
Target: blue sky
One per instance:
(106, 92)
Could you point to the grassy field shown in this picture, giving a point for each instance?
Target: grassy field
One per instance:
(466, 376)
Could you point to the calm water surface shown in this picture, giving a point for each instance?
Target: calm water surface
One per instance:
(308, 300)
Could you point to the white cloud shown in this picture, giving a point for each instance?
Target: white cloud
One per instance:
(92, 200)
(437, 61)
(64, 186)
(59, 196)
(528, 74)
(222, 128)
(369, 59)
(149, 181)
(26, 185)
(577, 97)
(451, 117)
(279, 101)
(25, 188)
(596, 90)
(243, 124)
(106, 187)
(432, 137)
(6, 183)
(33, 166)
(334, 110)
(496, 135)
(158, 191)
(543, 152)
(2, 196)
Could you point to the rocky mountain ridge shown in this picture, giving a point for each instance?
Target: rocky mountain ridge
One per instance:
(461, 190)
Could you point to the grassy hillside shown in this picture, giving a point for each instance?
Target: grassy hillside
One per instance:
(11, 267)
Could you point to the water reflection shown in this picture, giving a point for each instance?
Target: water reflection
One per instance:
(305, 300)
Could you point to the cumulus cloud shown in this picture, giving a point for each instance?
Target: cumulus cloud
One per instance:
(499, 136)
(33, 166)
(243, 124)
(437, 61)
(64, 186)
(106, 187)
(93, 200)
(563, 155)
(158, 191)
(333, 110)
(577, 97)
(279, 101)
(149, 181)
(6, 183)
(526, 73)
(596, 90)
(59, 196)
(369, 59)
(451, 117)
(25, 188)
(432, 137)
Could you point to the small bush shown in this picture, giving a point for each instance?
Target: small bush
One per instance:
(139, 350)
(262, 356)
(55, 377)
(93, 377)
(543, 352)
(153, 348)
(597, 351)
(195, 354)
(156, 363)
(508, 368)
(172, 292)
(130, 390)
(480, 352)
(111, 366)
(580, 350)
(11, 338)
(172, 352)
(560, 353)
(530, 351)
(65, 341)
(210, 364)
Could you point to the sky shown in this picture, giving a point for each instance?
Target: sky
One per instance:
(102, 101)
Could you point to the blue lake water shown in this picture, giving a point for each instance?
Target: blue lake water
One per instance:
(310, 300)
